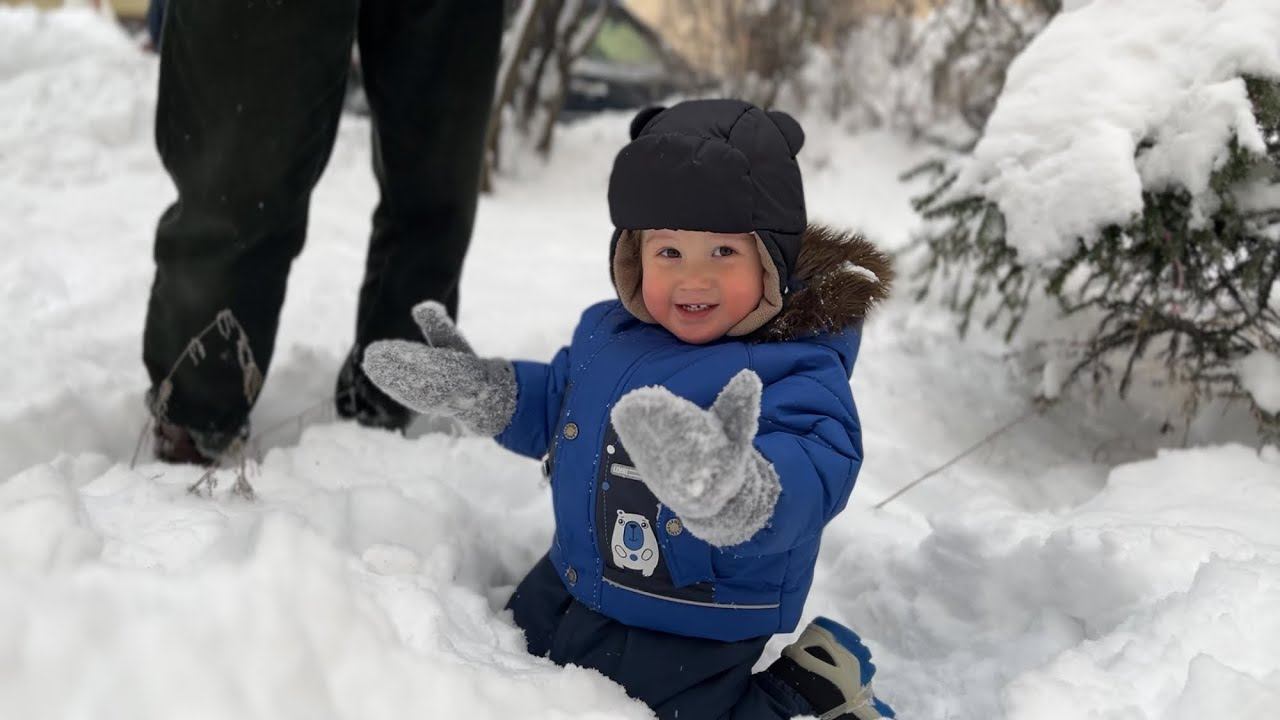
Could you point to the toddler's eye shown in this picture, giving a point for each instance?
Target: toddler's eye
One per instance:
(669, 253)
(723, 251)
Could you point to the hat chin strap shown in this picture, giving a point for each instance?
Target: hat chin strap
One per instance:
(627, 282)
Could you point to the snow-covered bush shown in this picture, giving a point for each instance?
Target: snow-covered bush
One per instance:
(935, 74)
(1130, 172)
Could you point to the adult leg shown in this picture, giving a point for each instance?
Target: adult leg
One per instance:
(429, 68)
(155, 18)
(249, 100)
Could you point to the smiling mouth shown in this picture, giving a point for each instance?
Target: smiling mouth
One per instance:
(696, 308)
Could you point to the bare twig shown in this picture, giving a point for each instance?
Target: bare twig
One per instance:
(1037, 407)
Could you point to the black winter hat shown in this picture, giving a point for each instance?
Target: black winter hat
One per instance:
(716, 166)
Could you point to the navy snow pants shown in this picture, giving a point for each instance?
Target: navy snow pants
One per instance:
(677, 676)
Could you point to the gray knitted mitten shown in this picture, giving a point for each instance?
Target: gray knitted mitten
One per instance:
(444, 376)
(701, 463)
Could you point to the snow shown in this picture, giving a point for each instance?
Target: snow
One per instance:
(850, 268)
(1260, 375)
(1058, 153)
(1075, 567)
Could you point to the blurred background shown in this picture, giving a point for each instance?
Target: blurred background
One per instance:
(930, 68)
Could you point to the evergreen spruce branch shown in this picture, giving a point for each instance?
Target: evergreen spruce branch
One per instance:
(1139, 343)
(1194, 299)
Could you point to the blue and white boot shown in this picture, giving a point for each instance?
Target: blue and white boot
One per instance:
(830, 667)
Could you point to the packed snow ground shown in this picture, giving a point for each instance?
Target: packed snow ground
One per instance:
(1071, 569)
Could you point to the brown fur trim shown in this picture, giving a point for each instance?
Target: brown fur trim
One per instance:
(844, 276)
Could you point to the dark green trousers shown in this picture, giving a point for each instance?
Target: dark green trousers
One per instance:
(249, 100)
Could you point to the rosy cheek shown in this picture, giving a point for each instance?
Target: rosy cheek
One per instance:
(748, 291)
(654, 298)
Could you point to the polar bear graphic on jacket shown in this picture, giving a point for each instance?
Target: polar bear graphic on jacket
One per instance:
(635, 547)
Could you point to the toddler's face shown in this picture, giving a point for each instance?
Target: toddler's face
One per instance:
(699, 284)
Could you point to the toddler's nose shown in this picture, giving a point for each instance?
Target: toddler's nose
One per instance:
(697, 278)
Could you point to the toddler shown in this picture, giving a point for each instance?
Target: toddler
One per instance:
(698, 432)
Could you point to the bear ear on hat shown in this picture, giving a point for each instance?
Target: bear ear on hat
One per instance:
(790, 129)
(643, 117)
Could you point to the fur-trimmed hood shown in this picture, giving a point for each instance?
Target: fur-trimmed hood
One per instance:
(841, 278)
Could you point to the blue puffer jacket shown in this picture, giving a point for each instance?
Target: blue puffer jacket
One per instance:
(809, 431)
